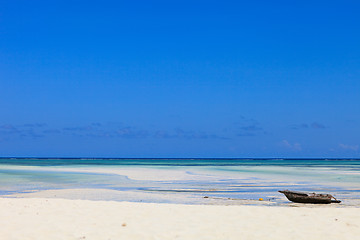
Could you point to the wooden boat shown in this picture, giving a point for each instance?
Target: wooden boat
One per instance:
(301, 197)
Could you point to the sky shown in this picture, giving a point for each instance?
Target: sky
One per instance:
(229, 79)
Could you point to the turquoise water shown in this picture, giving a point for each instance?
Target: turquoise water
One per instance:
(353, 163)
(198, 181)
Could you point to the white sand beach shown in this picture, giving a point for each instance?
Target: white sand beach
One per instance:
(43, 218)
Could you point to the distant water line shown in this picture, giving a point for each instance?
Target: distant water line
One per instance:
(353, 163)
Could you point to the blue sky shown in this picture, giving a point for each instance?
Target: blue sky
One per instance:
(180, 78)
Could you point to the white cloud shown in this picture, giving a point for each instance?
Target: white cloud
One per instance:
(349, 147)
(292, 146)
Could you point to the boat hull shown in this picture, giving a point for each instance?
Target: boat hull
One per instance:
(313, 198)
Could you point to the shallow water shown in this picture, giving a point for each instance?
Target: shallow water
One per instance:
(190, 181)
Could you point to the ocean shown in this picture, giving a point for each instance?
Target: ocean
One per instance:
(185, 181)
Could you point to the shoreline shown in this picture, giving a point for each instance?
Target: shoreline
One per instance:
(175, 185)
(166, 198)
(45, 218)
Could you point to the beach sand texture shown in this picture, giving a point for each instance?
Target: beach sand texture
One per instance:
(41, 218)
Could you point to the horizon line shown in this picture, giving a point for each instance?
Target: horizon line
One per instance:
(187, 158)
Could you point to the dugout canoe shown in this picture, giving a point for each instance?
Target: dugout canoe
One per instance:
(315, 198)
